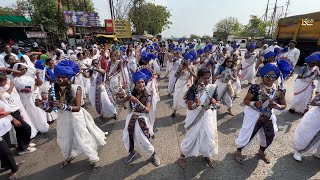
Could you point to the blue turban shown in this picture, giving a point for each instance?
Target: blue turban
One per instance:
(267, 68)
(251, 46)
(145, 56)
(149, 48)
(284, 50)
(188, 56)
(123, 48)
(155, 45)
(177, 49)
(137, 76)
(171, 47)
(40, 64)
(286, 68)
(200, 51)
(180, 40)
(269, 54)
(191, 46)
(152, 56)
(194, 54)
(206, 48)
(312, 58)
(147, 72)
(66, 68)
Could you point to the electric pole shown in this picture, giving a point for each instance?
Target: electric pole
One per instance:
(266, 14)
(288, 2)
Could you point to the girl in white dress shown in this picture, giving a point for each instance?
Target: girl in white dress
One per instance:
(201, 121)
(100, 95)
(183, 75)
(248, 71)
(76, 130)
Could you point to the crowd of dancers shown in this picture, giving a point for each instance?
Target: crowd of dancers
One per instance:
(40, 87)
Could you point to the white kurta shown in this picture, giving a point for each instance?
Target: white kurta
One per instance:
(37, 115)
(227, 98)
(152, 89)
(172, 78)
(307, 129)
(77, 133)
(107, 108)
(202, 138)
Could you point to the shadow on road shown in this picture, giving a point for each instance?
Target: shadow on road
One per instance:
(287, 168)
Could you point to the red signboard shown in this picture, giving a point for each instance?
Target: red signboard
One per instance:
(109, 25)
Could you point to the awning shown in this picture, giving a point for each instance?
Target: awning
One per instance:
(14, 19)
(108, 36)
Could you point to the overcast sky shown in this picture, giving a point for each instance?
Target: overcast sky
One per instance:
(199, 16)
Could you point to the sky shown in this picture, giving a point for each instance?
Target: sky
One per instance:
(200, 16)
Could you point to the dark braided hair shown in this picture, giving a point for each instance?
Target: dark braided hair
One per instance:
(203, 71)
(68, 93)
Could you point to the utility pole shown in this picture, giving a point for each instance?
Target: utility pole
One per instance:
(288, 2)
(111, 9)
(266, 14)
(273, 17)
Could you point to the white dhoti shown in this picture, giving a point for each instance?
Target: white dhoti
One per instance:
(307, 134)
(227, 97)
(250, 119)
(141, 142)
(248, 71)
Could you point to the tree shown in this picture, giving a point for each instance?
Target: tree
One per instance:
(206, 38)
(255, 27)
(226, 27)
(194, 36)
(149, 17)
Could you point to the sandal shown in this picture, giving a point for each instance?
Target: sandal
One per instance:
(66, 162)
(238, 157)
(264, 157)
(182, 162)
(96, 167)
(210, 162)
(230, 113)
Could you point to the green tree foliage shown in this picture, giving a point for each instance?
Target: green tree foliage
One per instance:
(50, 15)
(257, 24)
(226, 27)
(206, 38)
(149, 17)
(194, 36)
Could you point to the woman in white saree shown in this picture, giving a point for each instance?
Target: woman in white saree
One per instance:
(76, 130)
(305, 84)
(248, 70)
(201, 120)
(307, 134)
(259, 117)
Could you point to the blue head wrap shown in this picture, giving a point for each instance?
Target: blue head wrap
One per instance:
(152, 56)
(147, 72)
(137, 76)
(267, 68)
(180, 40)
(191, 46)
(285, 68)
(206, 48)
(194, 54)
(155, 45)
(171, 47)
(188, 56)
(123, 48)
(269, 54)
(145, 56)
(149, 48)
(40, 64)
(177, 49)
(66, 68)
(200, 51)
(252, 46)
(312, 58)
(284, 50)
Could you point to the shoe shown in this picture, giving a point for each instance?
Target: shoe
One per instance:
(130, 157)
(27, 151)
(32, 145)
(264, 157)
(156, 160)
(317, 155)
(173, 115)
(292, 111)
(297, 156)
(96, 167)
(13, 176)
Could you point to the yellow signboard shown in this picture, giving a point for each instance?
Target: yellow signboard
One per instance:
(307, 22)
(122, 28)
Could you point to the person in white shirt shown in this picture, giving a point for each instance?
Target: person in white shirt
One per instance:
(7, 50)
(273, 46)
(293, 53)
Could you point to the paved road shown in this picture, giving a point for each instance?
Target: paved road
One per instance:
(44, 163)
